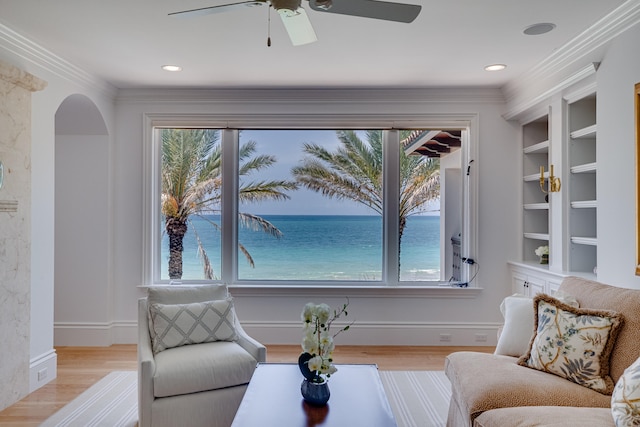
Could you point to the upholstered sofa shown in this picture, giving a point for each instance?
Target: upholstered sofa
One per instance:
(194, 359)
(494, 390)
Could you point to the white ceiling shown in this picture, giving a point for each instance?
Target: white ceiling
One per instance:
(126, 42)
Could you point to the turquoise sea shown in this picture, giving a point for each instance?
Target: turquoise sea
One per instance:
(317, 247)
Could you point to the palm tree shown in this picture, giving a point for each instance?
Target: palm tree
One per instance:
(354, 172)
(192, 183)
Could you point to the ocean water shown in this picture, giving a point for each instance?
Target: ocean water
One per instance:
(317, 247)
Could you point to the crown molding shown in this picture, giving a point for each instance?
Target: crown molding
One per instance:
(553, 73)
(32, 52)
(287, 96)
(517, 110)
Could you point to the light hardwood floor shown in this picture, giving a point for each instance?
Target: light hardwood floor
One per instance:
(80, 367)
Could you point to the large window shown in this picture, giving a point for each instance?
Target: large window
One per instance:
(295, 206)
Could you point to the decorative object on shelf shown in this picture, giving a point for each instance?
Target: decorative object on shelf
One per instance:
(316, 360)
(543, 253)
(554, 181)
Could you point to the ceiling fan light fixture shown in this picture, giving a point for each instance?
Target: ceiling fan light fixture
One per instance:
(298, 27)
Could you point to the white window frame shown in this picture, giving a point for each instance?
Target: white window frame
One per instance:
(229, 126)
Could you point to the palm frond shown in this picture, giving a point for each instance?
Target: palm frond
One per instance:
(207, 269)
(246, 254)
(257, 223)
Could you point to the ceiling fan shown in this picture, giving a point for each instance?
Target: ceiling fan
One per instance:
(297, 23)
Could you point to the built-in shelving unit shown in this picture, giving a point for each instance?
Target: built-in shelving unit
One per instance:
(535, 142)
(582, 230)
(559, 130)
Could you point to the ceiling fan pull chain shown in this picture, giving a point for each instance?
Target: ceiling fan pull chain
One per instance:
(269, 26)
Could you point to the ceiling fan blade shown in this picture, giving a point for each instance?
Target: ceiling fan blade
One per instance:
(398, 12)
(218, 9)
(298, 26)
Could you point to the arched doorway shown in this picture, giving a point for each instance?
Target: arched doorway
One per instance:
(81, 295)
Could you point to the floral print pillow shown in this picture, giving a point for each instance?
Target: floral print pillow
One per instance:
(573, 343)
(625, 401)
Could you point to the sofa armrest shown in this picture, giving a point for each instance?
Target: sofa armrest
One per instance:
(146, 366)
(253, 347)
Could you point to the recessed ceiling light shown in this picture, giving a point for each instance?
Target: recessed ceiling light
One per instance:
(495, 67)
(172, 68)
(537, 29)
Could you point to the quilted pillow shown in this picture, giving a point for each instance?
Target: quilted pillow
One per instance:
(573, 343)
(625, 401)
(175, 325)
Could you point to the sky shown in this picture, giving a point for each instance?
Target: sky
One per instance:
(286, 146)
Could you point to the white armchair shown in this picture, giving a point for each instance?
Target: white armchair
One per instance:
(194, 358)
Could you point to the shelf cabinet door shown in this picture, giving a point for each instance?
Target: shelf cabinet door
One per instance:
(528, 285)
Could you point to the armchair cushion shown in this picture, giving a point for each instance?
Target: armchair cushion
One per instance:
(175, 325)
(201, 367)
(545, 416)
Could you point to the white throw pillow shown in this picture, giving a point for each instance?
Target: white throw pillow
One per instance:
(517, 330)
(625, 400)
(183, 294)
(176, 325)
(516, 333)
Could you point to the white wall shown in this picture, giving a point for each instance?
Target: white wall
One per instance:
(618, 73)
(383, 317)
(82, 288)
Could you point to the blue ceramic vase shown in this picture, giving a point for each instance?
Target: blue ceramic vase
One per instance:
(316, 394)
(314, 388)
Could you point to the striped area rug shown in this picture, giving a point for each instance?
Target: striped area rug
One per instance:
(417, 398)
(111, 402)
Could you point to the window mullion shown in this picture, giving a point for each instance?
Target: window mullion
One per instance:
(229, 208)
(391, 201)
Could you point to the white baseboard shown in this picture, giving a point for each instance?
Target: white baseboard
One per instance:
(95, 334)
(390, 333)
(362, 333)
(42, 369)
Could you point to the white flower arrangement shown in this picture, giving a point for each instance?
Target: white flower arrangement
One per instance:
(542, 250)
(316, 361)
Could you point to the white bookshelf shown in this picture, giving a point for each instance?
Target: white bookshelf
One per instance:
(535, 148)
(583, 169)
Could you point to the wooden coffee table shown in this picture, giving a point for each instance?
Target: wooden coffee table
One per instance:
(273, 399)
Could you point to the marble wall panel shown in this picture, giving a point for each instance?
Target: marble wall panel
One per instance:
(15, 231)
